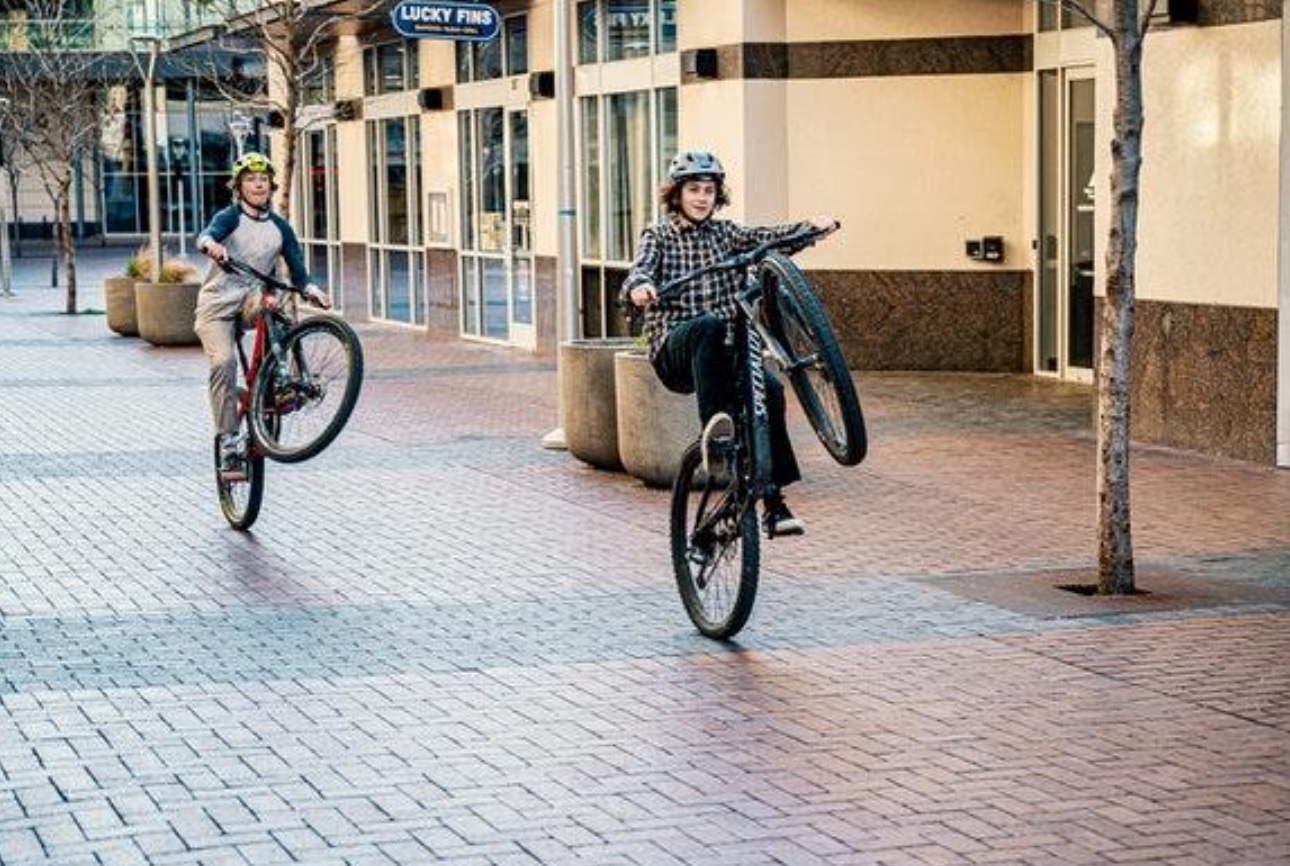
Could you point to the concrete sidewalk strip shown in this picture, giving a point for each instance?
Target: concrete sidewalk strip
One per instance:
(443, 644)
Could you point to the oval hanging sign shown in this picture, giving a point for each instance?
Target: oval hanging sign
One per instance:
(418, 19)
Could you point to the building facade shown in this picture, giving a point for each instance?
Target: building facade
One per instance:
(964, 144)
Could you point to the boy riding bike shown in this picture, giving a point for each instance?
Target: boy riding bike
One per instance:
(247, 230)
(689, 340)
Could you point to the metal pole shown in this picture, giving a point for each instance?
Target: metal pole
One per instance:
(568, 222)
(567, 225)
(154, 182)
(6, 264)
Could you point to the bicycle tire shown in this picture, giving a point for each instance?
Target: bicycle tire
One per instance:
(817, 370)
(296, 416)
(240, 500)
(716, 576)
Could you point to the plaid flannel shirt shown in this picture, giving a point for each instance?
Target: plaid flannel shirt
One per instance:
(673, 247)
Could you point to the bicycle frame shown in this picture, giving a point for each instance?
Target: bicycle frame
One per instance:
(269, 322)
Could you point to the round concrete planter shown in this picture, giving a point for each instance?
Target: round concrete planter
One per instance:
(588, 406)
(165, 312)
(118, 299)
(655, 425)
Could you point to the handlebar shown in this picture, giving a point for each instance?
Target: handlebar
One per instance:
(232, 264)
(800, 240)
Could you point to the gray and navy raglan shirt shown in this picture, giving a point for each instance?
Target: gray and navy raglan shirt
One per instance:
(258, 243)
(674, 246)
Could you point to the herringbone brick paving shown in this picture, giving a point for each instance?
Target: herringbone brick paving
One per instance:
(443, 644)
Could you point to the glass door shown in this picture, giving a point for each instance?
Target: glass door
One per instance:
(497, 260)
(1066, 250)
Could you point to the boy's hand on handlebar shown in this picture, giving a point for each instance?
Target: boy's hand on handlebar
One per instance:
(317, 297)
(643, 295)
(216, 251)
(826, 225)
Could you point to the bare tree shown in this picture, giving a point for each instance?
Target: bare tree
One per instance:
(1124, 23)
(53, 80)
(289, 36)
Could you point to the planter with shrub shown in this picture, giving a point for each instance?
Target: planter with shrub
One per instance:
(165, 308)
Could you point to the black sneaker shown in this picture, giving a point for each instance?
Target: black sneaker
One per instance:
(718, 435)
(779, 520)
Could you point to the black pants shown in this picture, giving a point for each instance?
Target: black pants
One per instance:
(695, 358)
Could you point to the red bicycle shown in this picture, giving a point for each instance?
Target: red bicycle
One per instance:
(299, 386)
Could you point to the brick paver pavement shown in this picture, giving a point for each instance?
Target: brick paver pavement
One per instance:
(443, 644)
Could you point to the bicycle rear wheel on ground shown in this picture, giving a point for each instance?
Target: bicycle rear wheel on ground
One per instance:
(240, 500)
(715, 550)
(300, 407)
(817, 368)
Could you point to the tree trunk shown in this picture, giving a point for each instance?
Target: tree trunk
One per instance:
(1115, 541)
(67, 249)
(288, 154)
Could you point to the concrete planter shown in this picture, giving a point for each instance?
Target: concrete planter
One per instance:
(655, 425)
(587, 399)
(118, 299)
(165, 312)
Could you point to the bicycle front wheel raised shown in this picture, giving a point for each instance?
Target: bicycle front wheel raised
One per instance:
(715, 550)
(300, 405)
(817, 368)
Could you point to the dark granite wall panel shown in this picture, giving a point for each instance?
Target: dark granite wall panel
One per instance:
(443, 310)
(1205, 379)
(353, 270)
(1220, 12)
(930, 320)
(951, 55)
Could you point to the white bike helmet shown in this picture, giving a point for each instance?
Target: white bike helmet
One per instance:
(695, 163)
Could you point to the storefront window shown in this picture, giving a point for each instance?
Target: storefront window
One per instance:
(390, 68)
(591, 177)
(628, 160)
(507, 55)
(629, 28)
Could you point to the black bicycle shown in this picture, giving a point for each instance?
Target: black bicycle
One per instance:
(300, 384)
(714, 527)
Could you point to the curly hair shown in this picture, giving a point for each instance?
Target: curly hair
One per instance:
(669, 195)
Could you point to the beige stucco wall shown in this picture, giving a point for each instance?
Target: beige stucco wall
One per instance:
(913, 166)
(1210, 175)
(722, 22)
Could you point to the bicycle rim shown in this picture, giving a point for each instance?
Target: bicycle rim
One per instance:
(715, 551)
(817, 368)
(240, 500)
(299, 411)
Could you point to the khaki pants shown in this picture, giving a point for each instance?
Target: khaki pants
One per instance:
(218, 340)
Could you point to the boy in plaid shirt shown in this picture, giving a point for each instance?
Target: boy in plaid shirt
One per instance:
(688, 332)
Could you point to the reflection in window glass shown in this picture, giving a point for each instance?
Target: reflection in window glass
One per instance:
(419, 281)
(487, 59)
(520, 227)
(665, 123)
(591, 177)
(466, 143)
(398, 267)
(522, 276)
(665, 26)
(316, 183)
(492, 180)
(496, 320)
(588, 32)
(629, 161)
(396, 181)
(626, 29)
(517, 45)
(471, 321)
(463, 61)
